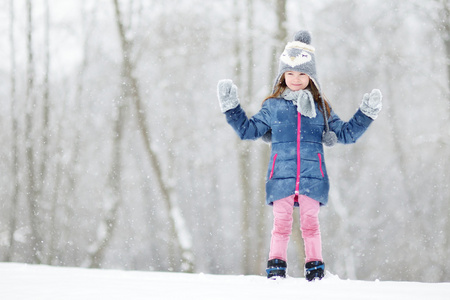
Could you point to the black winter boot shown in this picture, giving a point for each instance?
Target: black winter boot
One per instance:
(314, 270)
(276, 268)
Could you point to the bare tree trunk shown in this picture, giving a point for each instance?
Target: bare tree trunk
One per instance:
(14, 135)
(244, 148)
(52, 193)
(113, 198)
(180, 236)
(112, 201)
(32, 189)
(73, 166)
(245, 157)
(280, 36)
(444, 22)
(46, 96)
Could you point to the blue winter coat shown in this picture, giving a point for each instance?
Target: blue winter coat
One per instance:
(280, 116)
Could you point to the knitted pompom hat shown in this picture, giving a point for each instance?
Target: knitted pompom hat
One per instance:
(298, 55)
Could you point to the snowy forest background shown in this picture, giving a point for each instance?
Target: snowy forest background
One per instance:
(114, 153)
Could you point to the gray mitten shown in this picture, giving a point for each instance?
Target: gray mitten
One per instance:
(227, 94)
(371, 104)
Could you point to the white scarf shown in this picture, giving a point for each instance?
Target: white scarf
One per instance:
(304, 101)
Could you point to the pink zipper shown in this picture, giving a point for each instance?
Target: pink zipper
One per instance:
(299, 127)
(320, 164)
(273, 165)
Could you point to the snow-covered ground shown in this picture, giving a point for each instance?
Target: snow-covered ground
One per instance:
(20, 281)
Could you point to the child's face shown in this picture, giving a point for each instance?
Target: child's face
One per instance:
(296, 81)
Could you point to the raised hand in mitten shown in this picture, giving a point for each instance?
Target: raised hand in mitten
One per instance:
(371, 104)
(227, 94)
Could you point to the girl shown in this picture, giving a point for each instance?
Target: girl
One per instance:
(297, 121)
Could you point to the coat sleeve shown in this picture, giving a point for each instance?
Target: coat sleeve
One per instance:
(249, 129)
(349, 132)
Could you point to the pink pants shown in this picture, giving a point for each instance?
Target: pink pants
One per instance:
(309, 225)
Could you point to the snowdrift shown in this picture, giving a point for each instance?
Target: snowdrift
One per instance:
(21, 281)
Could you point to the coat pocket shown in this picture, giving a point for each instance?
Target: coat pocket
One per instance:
(273, 165)
(320, 164)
